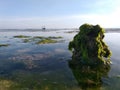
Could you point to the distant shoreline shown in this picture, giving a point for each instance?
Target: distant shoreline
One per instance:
(41, 29)
(107, 30)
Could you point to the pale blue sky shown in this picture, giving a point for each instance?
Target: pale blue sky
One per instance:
(58, 13)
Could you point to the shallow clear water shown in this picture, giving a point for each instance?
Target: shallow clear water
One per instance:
(28, 66)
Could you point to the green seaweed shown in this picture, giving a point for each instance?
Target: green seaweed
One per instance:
(46, 41)
(21, 36)
(59, 37)
(75, 31)
(4, 45)
(39, 39)
(26, 40)
(50, 37)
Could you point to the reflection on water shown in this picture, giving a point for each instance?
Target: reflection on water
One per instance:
(27, 66)
(89, 76)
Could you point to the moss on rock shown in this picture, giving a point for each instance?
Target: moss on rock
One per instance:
(88, 46)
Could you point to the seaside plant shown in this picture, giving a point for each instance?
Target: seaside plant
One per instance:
(88, 46)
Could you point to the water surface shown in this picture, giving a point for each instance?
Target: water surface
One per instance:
(29, 66)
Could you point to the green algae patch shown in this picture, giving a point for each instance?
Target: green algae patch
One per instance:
(59, 37)
(50, 37)
(21, 36)
(26, 40)
(75, 31)
(4, 45)
(46, 41)
(6, 84)
(39, 39)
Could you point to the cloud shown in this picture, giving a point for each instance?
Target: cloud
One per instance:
(106, 20)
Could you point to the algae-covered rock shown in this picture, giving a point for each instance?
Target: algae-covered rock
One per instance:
(91, 56)
(88, 46)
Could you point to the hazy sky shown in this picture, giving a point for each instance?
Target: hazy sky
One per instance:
(58, 13)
